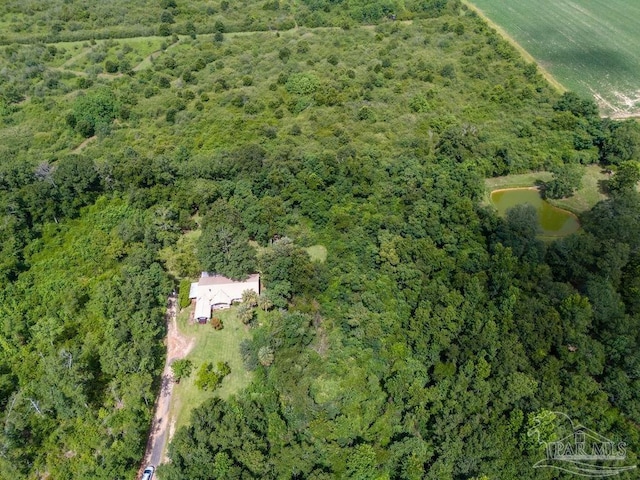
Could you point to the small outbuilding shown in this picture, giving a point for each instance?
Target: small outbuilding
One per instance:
(215, 292)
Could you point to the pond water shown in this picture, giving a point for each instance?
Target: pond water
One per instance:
(553, 221)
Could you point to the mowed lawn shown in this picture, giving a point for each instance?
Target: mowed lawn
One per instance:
(210, 346)
(591, 47)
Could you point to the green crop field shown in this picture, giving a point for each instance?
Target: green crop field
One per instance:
(591, 47)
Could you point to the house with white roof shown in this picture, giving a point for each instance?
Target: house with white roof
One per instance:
(215, 292)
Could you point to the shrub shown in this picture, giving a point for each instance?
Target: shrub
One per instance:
(85, 128)
(295, 130)
(124, 112)
(223, 369)
(265, 356)
(284, 54)
(207, 378)
(170, 63)
(298, 106)
(239, 101)
(221, 84)
(164, 82)
(249, 355)
(149, 92)
(270, 132)
(111, 67)
(166, 17)
(83, 83)
(199, 64)
(302, 83)
(448, 71)
(251, 108)
(365, 113)
(181, 368)
(187, 76)
(419, 104)
(71, 120)
(170, 116)
(183, 293)
(164, 30)
(94, 110)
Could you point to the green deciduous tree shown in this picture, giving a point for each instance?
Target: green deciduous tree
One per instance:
(164, 29)
(567, 178)
(181, 368)
(224, 249)
(78, 183)
(619, 142)
(207, 378)
(627, 176)
(580, 107)
(302, 83)
(93, 111)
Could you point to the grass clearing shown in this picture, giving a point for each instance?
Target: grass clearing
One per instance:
(589, 194)
(210, 346)
(135, 51)
(584, 199)
(592, 48)
(318, 253)
(518, 180)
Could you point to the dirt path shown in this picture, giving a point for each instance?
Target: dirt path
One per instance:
(75, 57)
(80, 147)
(178, 346)
(147, 61)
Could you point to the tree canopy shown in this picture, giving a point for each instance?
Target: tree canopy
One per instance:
(426, 343)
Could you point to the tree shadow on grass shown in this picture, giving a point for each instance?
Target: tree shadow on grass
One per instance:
(542, 188)
(603, 186)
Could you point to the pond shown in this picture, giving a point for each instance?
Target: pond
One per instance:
(553, 221)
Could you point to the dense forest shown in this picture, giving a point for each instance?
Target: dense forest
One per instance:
(432, 339)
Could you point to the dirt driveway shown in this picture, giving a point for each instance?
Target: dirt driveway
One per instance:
(178, 347)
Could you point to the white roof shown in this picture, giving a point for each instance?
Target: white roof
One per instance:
(193, 290)
(216, 290)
